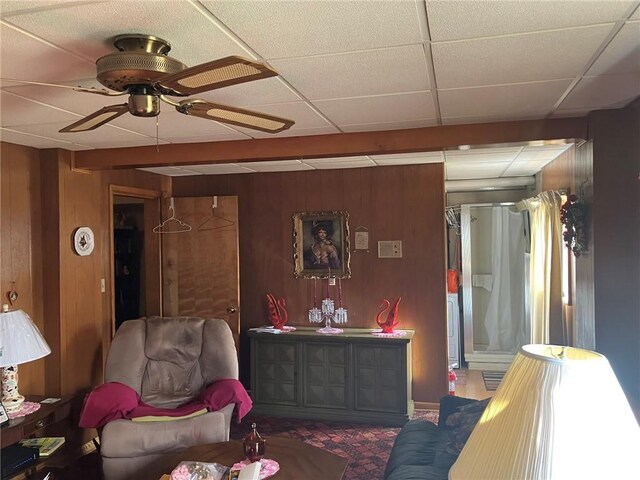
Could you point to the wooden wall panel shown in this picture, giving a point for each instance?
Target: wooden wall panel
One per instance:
(395, 203)
(20, 258)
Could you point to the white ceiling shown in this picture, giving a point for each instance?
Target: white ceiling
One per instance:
(344, 65)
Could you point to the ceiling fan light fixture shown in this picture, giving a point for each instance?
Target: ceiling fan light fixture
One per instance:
(144, 105)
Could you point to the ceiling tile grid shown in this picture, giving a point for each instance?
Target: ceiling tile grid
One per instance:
(345, 66)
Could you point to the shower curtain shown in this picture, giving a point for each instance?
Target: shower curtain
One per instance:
(505, 321)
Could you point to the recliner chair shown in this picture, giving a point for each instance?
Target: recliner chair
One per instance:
(167, 361)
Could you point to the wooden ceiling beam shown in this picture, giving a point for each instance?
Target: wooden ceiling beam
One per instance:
(333, 145)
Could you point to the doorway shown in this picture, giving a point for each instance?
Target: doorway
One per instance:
(135, 255)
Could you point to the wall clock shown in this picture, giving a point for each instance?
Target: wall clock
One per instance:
(83, 241)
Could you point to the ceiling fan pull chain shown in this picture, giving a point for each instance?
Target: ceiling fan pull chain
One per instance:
(157, 132)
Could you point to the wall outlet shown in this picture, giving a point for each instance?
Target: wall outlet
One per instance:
(390, 249)
(332, 281)
(103, 285)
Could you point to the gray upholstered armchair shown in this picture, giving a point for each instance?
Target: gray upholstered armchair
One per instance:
(167, 361)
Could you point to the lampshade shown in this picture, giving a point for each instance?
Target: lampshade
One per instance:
(559, 413)
(20, 339)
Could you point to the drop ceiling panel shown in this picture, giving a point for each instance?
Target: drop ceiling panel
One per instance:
(487, 159)
(537, 156)
(374, 127)
(345, 162)
(408, 158)
(276, 166)
(470, 119)
(32, 140)
(465, 171)
(622, 55)
(26, 112)
(516, 58)
(534, 99)
(107, 137)
(9, 7)
(292, 132)
(261, 92)
(278, 29)
(383, 108)
(357, 74)
(180, 23)
(604, 90)
(220, 169)
(169, 171)
(527, 168)
(450, 20)
(25, 58)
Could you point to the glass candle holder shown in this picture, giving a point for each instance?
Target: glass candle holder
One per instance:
(254, 445)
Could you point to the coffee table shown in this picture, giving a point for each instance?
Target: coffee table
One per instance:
(297, 459)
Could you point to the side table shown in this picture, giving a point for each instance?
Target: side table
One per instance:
(37, 424)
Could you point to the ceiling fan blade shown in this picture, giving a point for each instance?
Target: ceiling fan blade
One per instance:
(234, 116)
(99, 91)
(211, 75)
(102, 116)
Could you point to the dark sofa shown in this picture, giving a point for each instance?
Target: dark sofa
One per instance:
(425, 451)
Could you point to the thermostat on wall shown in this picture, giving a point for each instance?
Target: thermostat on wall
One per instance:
(390, 249)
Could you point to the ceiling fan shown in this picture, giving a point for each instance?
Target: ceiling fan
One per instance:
(142, 70)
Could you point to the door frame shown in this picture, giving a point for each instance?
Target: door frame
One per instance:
(134, 192)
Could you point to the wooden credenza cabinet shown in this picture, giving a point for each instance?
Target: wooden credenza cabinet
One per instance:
(354, 376)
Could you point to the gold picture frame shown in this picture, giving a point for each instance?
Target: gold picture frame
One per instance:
(321, 244)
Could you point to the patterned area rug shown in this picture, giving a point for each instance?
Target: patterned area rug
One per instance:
(367, 447)
(492, 379)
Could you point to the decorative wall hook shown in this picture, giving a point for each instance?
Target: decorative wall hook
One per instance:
(12, 295)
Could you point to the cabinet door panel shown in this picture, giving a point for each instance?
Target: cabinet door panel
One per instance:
(275, 381)
(325, 375)
(379, 374)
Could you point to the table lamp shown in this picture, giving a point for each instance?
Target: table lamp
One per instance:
(20, 342)
(559, 413)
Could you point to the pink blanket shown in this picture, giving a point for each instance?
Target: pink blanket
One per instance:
(114, 400)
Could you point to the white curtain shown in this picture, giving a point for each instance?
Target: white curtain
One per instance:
(504, 320)
(546, 268)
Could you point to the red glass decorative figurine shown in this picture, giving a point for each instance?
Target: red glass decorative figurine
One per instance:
(392, 321)
(278, 316)
(254, 445)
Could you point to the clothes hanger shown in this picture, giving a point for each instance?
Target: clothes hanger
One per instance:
(182, 226)
(214, 218)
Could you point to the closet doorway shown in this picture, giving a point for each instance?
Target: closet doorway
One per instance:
(136, 286)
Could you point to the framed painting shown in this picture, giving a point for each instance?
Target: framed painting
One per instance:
(321, 244)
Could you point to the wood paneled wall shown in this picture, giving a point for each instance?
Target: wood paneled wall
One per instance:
(43, 202)
(20, 241)
(395, 203)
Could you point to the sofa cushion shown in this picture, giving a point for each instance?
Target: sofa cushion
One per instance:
(416, 444)
(418, 472)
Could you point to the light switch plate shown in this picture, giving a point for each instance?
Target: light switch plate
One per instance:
(390, 249)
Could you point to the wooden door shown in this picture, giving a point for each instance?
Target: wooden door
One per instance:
(201, 274)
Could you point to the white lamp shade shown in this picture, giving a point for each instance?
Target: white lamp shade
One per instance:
(554, 418)
(20, 339)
